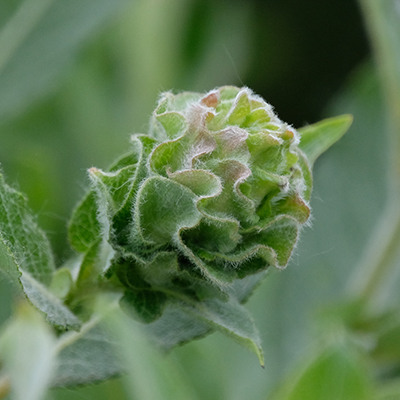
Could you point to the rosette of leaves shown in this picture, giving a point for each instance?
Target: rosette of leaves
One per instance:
(180, 230)
(188, 221)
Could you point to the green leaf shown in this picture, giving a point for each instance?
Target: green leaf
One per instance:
(151, 375)
(27, 348)
(335, 373)
(176, 327)
(85, 357)
(387, 341)
(20, 233)
(62, 283)
(43, 299)
(8, 264)
(40, 41)
(389, 390)
(231, 319)
(84, 228)
(165, 206)
(144, 305)
(27, 259)
(173, 123)
(317, 138)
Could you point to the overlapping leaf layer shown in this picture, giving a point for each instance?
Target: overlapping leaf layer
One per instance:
(216, 192)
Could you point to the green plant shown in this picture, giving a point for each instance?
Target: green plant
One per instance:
(140, 273)
(183, 227)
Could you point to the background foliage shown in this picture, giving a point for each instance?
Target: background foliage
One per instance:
(77, 77)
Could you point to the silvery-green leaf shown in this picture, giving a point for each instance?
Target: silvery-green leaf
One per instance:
(27, 349)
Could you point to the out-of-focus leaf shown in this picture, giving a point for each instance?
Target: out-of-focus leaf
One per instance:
(348, 197)
(336, 373)
(383, 21)
(151, 375)
(27, 348)
(40, 41)
(86, 357)
(389, 390)
(317, 138)
(387, 341)
(61, 283)
(106, 390)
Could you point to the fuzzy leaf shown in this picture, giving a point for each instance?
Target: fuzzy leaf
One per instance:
(173, 123)
(85, 357)
(317, 138)
(164, 207)
(43, 299)
(84, 228)
(231, 319)
(20, 233)
(26, 258)
(144, 305)
(8, 264)
(176, 327)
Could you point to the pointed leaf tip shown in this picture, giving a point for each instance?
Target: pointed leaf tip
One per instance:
(318, 137)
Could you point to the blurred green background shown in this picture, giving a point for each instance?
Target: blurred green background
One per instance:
(78, 76)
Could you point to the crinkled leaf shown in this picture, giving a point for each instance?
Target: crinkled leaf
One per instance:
(27, 349)
(317, 138)
(164, 207)
(200, 182)
(240, 109)
(173, 123)
(121, 221)
(118, 184)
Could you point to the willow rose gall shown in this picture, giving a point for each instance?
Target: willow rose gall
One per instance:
(216, 192)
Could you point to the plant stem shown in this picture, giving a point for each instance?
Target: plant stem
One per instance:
(383, 23)
(5, 386)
